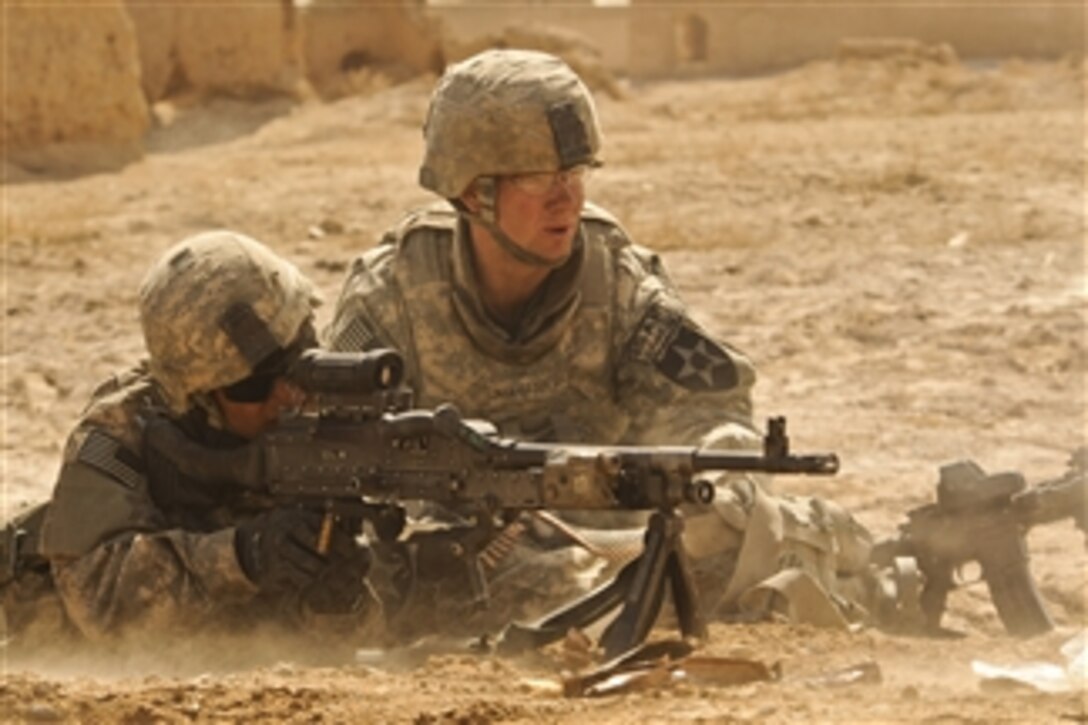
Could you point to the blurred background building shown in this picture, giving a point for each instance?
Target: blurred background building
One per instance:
(80, 77)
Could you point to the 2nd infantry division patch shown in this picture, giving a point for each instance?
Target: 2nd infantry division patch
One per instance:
(697, 362)
(683, 353)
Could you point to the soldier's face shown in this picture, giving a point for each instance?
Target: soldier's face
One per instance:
(540, 212)
(249, 420)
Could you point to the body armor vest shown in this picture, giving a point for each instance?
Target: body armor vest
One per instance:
(568, 373)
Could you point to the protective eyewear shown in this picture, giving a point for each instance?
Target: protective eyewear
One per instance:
(259, 384)
(541, 183)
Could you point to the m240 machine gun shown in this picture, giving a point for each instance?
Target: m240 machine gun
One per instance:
(358, 448)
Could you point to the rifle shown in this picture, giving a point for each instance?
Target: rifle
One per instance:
(359, 449)
(985, 518)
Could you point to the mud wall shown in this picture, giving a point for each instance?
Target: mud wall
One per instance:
(339, 37)
(267, 46)
(238, 49)
(681, 38)
(72, 95)
(656, 38)
(75, 71)
(605, 28)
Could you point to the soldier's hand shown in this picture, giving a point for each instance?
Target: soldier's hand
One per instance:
(340, 587)
(277, 550)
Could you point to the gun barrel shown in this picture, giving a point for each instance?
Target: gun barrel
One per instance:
(821, 464)
(672, 457)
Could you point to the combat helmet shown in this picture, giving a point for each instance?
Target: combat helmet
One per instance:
(506, 112)
(213, 307)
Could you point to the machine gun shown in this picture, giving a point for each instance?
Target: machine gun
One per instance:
(359, 449)
(984, 518)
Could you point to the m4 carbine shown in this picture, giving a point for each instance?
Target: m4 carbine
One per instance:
(984, 518)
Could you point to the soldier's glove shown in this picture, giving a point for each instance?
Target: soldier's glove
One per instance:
(277, 550)
(340, 586)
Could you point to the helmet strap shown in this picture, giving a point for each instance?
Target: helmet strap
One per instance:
(488, 218)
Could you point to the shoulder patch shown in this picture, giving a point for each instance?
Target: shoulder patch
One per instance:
(105, 454)
(681, 352)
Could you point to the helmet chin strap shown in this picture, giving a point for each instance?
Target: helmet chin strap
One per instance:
(487, 218)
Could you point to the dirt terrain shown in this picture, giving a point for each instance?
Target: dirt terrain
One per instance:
(899, 243)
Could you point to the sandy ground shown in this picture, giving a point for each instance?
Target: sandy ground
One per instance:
(898, 244)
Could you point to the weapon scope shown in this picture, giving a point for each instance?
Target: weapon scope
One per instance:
(320, 372)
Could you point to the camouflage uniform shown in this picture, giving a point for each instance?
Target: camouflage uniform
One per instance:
(133, 546)
(607, 354)
(119, 560)
(605, 351)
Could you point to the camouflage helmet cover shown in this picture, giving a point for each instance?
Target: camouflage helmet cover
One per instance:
(213, 306)
(506, 112)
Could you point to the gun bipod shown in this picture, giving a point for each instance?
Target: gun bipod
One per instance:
(638, 588)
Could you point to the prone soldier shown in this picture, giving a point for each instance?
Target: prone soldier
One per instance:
(129, 543)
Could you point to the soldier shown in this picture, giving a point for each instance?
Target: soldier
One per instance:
(522, 303)
(130, 543)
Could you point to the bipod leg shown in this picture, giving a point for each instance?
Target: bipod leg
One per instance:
(578, 614)
(685, 596)
(639, 588)
(663, 556)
